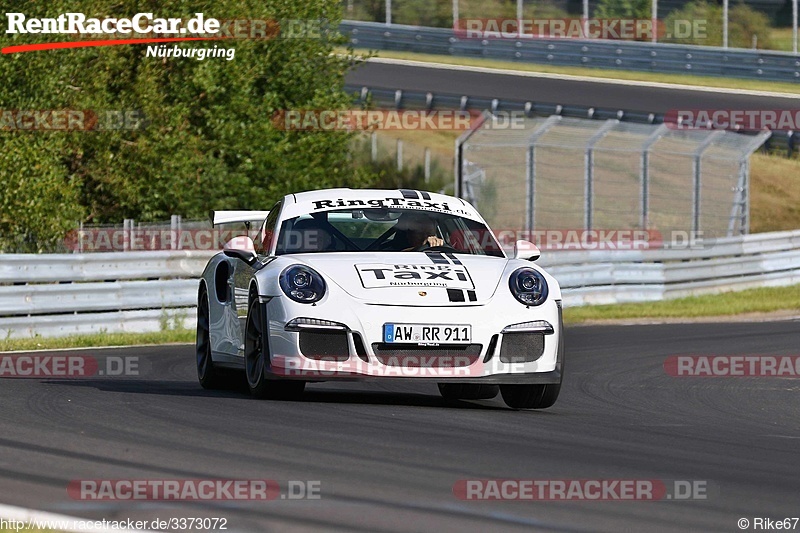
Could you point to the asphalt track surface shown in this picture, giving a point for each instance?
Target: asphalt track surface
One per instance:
(388, 454)
(555, 91)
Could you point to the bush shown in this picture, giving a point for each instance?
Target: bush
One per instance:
(209, 141)
(744, 22)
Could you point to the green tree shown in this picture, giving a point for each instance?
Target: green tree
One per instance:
(744, 23)
(209, 140)
(627, 9)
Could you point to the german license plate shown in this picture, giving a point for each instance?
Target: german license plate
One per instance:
(427, 333)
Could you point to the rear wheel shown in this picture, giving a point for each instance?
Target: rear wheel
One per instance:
(256, 356)
(467, 391)
(210, 377)
(530, 396)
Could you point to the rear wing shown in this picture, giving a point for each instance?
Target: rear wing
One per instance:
(229, 217)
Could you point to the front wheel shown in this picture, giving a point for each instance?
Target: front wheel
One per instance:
(530, 396)
(256, 357)
(208, 375)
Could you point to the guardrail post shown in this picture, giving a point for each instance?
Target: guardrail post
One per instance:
(373, 152)
(427, 167)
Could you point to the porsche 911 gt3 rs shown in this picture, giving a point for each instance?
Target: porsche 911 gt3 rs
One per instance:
(346, 284)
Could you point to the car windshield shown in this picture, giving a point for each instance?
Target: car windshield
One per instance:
(385, 230)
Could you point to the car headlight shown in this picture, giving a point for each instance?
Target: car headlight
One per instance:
(302, 284)
(528, 286)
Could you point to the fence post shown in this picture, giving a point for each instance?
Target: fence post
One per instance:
(373, 137)
(588, 200)
(697, 170)
(399, 155)
(459, 155)
(530, 171)
(645, 173)
(127, 229)
(173, 232)
(427, 165)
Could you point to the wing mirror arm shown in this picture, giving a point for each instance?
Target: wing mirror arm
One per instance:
(241, 248)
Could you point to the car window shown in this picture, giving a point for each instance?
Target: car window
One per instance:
(381, 229)
(263, 240)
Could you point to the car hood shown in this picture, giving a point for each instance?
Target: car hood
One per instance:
(411, 278)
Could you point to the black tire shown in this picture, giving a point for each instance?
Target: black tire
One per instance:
(256, 355)
(530, 396)
(209, 376)
(468, 391)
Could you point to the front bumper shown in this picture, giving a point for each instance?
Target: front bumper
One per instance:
(360, 356)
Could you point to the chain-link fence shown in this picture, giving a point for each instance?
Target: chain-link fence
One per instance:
(570, 173)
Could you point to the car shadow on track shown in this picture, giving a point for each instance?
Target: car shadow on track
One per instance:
(311, 395)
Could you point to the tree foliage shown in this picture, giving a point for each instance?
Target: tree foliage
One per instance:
(743, 23)
(209, 141)
(625, 9)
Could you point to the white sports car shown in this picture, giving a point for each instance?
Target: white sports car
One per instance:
(347, 284)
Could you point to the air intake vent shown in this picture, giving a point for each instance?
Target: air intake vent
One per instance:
(331, 346)
(413, 356)
(521, 347)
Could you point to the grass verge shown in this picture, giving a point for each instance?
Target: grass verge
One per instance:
(775, 193)
(763, 300)
(679, 79)
(97, 339)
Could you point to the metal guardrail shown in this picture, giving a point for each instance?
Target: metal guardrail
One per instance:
(58, 295)
(731, 263)
(379, 97)
(615, 55)
(68, 294)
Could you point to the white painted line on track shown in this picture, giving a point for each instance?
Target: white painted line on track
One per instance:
(59, 522)
(586, 79)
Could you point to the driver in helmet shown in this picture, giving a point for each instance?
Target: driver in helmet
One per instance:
(416, 230)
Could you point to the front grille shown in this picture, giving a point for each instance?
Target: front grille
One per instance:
(521, 347)
(329, 345)
(413, 356)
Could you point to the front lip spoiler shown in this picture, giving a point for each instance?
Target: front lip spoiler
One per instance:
(530, 378)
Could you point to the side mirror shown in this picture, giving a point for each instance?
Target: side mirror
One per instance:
(241, 248)
(526, 250)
